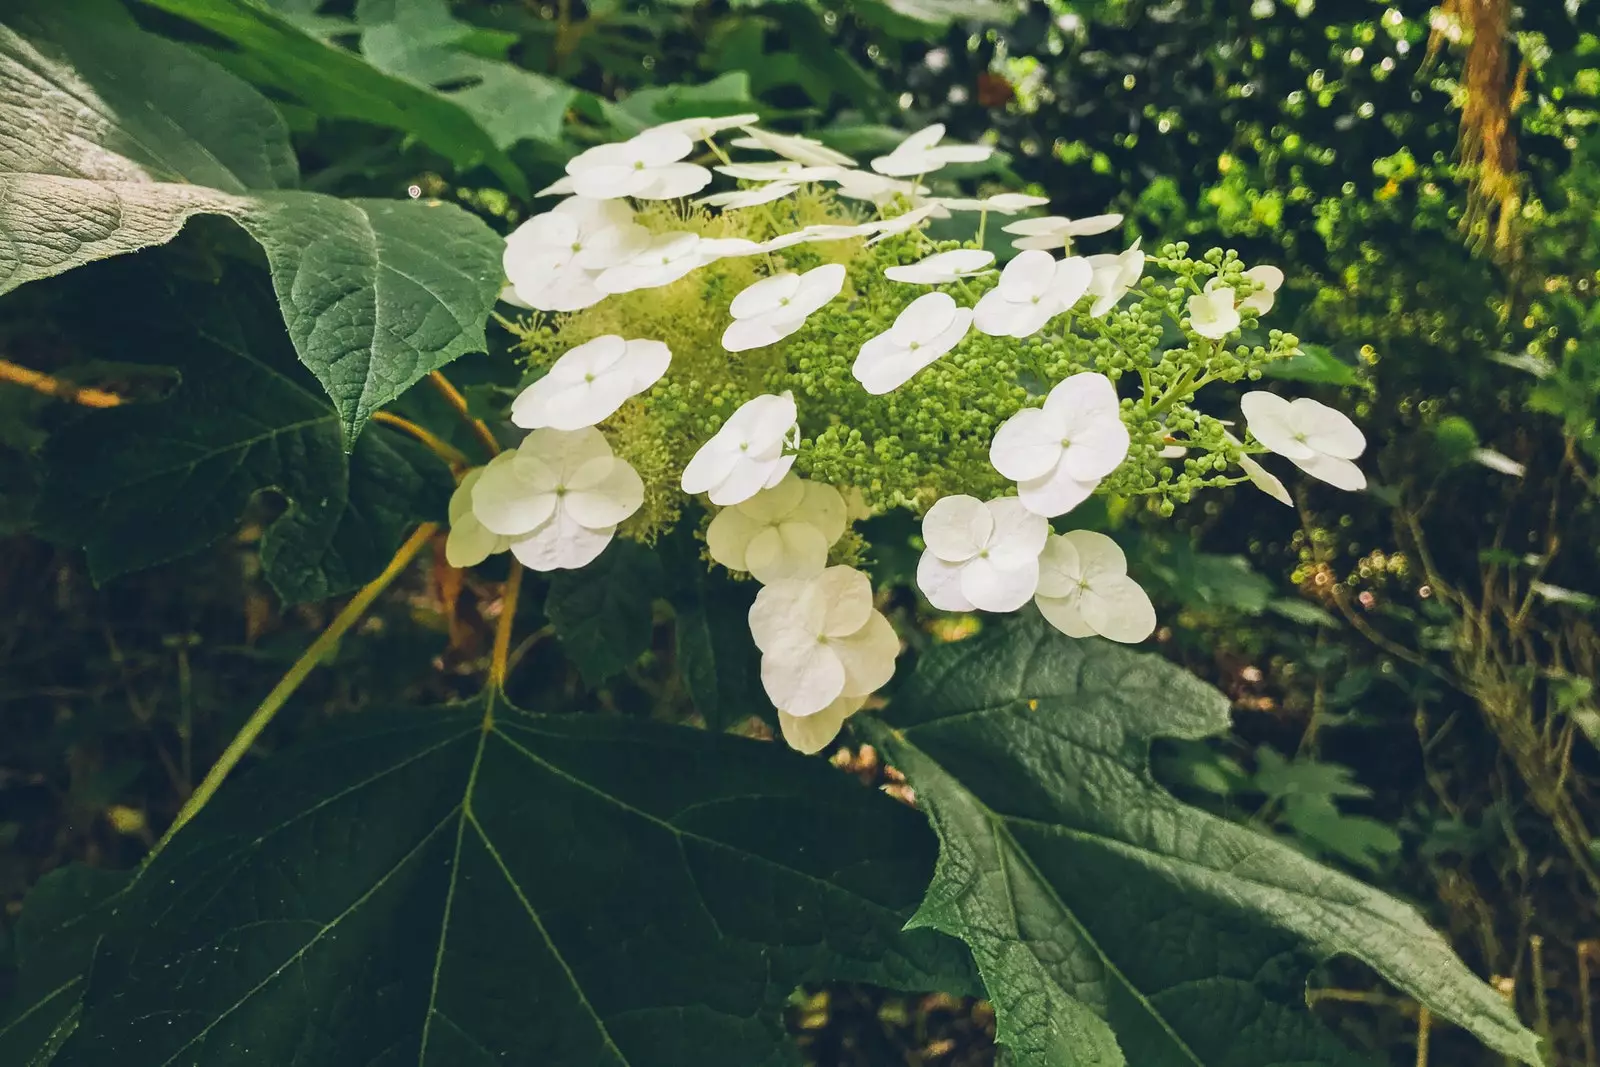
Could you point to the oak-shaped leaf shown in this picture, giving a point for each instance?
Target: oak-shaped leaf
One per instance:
(1111, 922)
(480, 887)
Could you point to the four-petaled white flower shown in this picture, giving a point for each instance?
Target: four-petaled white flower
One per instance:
(741, 198)
(942, 267)
(646, 167)
(773, 308)
(707, 128)
(1085, 591)
(752, 451)
(1259, 476)
(930, 326)
(1115, 273)
(821, 231)
(590, 382)
(1056, 231)
(921, 153)
(782, 532)
(880, 190)
(664, 259)
(821, 639)
(980, 556)
(1058, 453)
(1269, 278)
(1314, 437)
(470, 541)
(999, 203)
(1212, 313)
(807, 150)
(1033, 289)
(887, 228)
(778, 170)
(552, 259)
(558, 497)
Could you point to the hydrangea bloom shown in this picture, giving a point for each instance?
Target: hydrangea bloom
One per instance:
(1270, 279)
(807, 150)
(782, 532)
(1314, 437)
(590, 382)
(811, 734)
(821, 639)
(930, 326)
(742, 198)
(773, 308)
(1085, 591)
(664, 259)
(942, 268)
(558, 497)
(645, 167)
(705, 129)
(1115, 273)
(999, 203)
(470, 542)
(553, 259)
(748, 453)
(880, 190)
(980, 556)
(778, 170)
(921, 153)
(1058, 453)
(1057, 231)
(1260, 477)
(1212, 313)
(1033, 289)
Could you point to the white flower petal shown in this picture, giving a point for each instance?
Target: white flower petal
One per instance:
(1055, 493)
(942, 267)
(1212, 313)
(735, 199)
(1060, 570)
(470, 543)
(1339, 473)
(1063, 613)
(700, 129)
(561, 544)
(805, 150)
(868, 656)
(729, 535)
(787, 617)
(823, 507)
(847, 593)
(608, 501)
(811, 734)
(957, 528)
(1326, 430)
(1118, 609)
(505, 503)
(1265, 480)
(765, 296)
(1271, 419)
(805, 683)
(940, 582)
(787, 550)
(993, 588)
(1027, 445)
(1019, 534)
(1270, 279)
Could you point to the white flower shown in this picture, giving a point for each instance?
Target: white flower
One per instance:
(980, 556)
(1033, 289)
(773, 308)
(666, 258)
(1056, 231)
(646, 167)
(1260, 477)
(930, 326)
(1085, 591)
(1211, 313)
(782, 532)
(942, 267)
(558, 497)
(553, 258)
(778, 170)
(921, 153)
(813, 733)
(902, 223)
(705, 129)
(821, 639)
(562, 186)
(470, 541)
(748, 453)
(761, 194)
(1312, 436)
(999, 203)
(880, 190)
(1115, 273)
(590, 382)
(805, 150)
(1499, 461)
(820, 231)
(1058, 453)
(1269, 278)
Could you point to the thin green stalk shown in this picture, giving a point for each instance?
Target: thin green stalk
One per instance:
(293, 677)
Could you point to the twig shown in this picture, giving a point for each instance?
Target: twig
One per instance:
(453, 396)
(44, 383)
(436, 444)
(499, 663)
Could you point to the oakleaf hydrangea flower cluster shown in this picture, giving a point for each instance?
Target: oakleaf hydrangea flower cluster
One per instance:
(795, 352)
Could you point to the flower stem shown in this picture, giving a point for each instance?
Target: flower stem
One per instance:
(294, 676)
(500, 661)
(437, 445)
(44, 383)
(459, 402)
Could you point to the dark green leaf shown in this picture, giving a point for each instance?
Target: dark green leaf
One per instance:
(425, 888)
(725, 95)
(720, 664)
(420, 41)
(1315, 363)
(603, 613)
(62, 920)
(376, 293)
(1301, 611)
(144, 483)
(1095, 903)
(276, 52)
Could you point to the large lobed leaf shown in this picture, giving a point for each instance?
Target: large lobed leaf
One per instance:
(117, 137)
(453, 888)
(1104, 913)
(144, 483)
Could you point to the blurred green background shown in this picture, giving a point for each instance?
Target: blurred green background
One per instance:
(1412, 668)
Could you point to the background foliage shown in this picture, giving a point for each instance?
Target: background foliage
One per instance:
(1411, 672)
